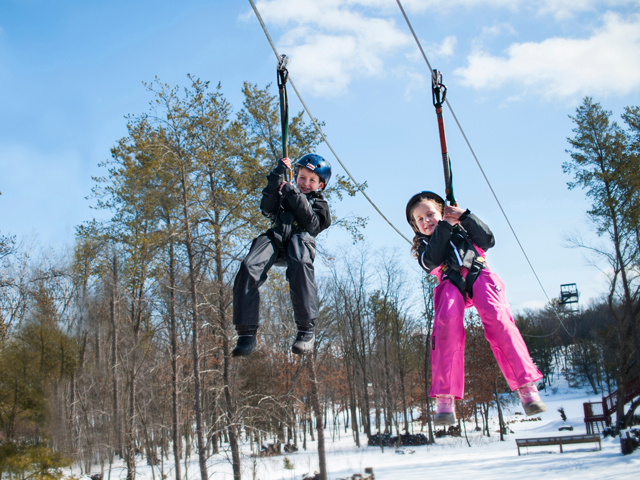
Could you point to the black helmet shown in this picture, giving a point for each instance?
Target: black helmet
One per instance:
(417, 198)
(316, 164)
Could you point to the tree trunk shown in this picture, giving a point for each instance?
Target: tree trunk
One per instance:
(501, 425)
(388, 405)
(131, 436)
(224, 324)
(322, 459)
(352, 407)
(175, 424)
(486, 417)
(427, 369)
(195, 344)
(114, 354)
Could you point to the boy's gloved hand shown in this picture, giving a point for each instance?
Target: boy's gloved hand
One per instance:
(288, 191)
(286, 188)
(284, 164)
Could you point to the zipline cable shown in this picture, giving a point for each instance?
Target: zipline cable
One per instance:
(315, 123)
(495, 196)
(317, 126)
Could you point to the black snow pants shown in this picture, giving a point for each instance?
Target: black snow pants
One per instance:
(299, 253)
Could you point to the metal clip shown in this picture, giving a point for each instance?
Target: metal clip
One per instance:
(283, 62)
(438, 89)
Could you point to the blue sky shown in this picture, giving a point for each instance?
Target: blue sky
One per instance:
(71, 70)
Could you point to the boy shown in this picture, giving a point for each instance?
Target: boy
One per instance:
(298, 213)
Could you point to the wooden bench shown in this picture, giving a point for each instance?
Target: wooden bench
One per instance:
(559, 440)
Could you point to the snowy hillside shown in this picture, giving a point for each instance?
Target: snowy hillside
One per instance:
(450, 457)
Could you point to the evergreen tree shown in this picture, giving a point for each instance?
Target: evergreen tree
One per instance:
(603, 155)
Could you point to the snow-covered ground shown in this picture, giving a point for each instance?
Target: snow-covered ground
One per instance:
(449, 458)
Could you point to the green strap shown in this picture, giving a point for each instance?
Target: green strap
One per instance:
(283, 75)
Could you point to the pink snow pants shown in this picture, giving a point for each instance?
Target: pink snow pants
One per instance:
(447, 342)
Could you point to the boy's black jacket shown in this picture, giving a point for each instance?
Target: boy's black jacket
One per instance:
(292, 211)
(451, 245)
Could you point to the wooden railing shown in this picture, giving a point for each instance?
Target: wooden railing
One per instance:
(601, 411)
(631, 391)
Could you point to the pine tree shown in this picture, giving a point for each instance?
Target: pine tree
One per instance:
(604, 162)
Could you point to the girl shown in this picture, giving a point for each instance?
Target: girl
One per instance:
(450, 243)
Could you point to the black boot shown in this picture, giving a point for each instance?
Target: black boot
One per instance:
(246, 340)
(305, 339)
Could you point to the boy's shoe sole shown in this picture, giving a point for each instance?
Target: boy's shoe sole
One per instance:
(245, 346)
(442, 419)
(303, 344)
(534, 407)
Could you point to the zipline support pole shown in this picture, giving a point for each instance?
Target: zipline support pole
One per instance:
(439, 91)
(283, 75)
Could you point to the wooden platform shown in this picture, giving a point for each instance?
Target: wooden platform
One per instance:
(558, 440)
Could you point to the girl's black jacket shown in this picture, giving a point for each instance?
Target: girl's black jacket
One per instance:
(451, 246)
(292, 211)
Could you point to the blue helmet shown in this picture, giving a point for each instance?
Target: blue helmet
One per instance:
(316, 164)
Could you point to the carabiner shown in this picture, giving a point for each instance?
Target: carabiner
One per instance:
(438, 89)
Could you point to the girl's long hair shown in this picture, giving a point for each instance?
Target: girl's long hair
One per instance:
(417, 238)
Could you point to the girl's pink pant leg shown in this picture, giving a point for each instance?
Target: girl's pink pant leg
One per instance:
(501, 332)
(447, 342)
(447, 348)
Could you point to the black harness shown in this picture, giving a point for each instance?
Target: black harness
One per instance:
(470, 259)
(283, 227)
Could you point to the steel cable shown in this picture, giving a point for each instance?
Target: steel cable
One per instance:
(361, 190)
(473, 153)
(315, 123)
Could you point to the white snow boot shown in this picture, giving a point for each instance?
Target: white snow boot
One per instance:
(445, 414)
(531, 399)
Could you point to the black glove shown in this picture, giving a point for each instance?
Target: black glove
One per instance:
(281, 168)
(288, 192)
(464, 215)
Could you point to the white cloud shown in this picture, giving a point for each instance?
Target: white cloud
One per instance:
(334, 42)
(565, 9)
(446, 48)
(330, 42)
(438, 5)
(606, 63)
(559, 9)
(415, 82)
(496, 30)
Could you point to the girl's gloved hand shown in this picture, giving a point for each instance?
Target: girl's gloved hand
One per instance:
(452, 214)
